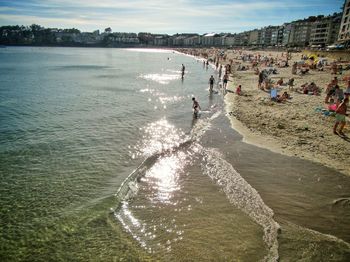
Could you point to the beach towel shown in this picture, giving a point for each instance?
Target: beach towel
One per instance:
(273, 93)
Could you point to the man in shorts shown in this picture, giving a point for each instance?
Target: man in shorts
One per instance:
(211, 83)
(340, 117)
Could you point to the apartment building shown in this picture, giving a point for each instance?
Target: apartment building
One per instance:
(254, 37)
(192, 40)
(300, 33)
(324, 30)
(287, 29)
(229, 40)
(277, 36)
(268, 36)
(344, 33)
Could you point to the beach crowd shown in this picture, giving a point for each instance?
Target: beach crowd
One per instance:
(300, 100)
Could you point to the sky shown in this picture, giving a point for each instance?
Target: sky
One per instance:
(162, 16)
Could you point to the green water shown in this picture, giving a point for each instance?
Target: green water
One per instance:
(75, 122)
(70, 120)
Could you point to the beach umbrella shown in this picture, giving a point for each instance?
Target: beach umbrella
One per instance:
(313, 57)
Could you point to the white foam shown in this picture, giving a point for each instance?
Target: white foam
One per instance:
(202, 126)
(241, 194)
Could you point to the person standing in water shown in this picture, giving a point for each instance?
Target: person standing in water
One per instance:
(182, 70)
(211, 83)
(225, 80)
(220, 71)
(196, 107)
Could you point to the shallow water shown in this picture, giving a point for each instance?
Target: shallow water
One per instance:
(75, 122)
(296, 217)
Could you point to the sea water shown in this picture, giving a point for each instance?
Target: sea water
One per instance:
(101, 159)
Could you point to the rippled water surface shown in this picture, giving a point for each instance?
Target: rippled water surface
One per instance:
(102, 160)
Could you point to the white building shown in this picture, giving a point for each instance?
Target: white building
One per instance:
(160, 40)
(192, 41)
(208, 39)
(228, 40)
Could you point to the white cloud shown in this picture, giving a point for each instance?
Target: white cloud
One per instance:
(49, 22)
(155, 15)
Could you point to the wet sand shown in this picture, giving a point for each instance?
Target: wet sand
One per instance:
(184, 215)
(310, 202)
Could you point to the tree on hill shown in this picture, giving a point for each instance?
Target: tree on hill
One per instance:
(71, 31)
(36, 28)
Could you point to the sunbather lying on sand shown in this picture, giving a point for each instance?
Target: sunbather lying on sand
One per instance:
(304, 70)
(311, 89)
(285, 96)
(280, 82)
(282, 98)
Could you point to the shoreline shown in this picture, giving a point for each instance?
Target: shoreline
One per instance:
(252, 138)
(322, 146)
(292, 128)
(274, 145)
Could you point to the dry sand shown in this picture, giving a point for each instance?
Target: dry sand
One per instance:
(293, 128)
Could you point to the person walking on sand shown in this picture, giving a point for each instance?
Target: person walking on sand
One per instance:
(261, 79)
(239, 90)
(294, 68)
(340, 117)
(211, 83)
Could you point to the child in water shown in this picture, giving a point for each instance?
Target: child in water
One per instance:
(196, 107)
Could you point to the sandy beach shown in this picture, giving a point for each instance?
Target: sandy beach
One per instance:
(298, 126)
